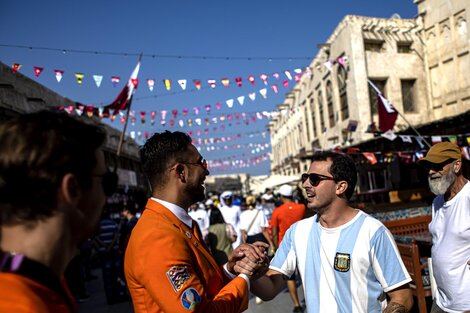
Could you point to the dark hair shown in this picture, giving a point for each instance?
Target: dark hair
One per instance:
(159, 152)
(36, 151)
(342, 168)
(216, 216)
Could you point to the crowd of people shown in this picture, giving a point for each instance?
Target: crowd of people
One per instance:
(184, 250)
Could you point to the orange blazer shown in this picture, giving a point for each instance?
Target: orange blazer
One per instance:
(169, 270)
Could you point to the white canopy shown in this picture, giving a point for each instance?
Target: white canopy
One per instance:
(259, 185)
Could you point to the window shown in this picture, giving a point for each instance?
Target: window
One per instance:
(329, 101)
(307, 126)
(373, 45)
(320, 111)
(404, 47)
(407, 94)
(343, 97)
(380, 84)
(314, 124)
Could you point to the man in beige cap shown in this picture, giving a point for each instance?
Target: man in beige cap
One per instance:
(450, 227)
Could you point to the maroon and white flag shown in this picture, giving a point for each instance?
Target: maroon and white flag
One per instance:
(123, 100)
(387, 113)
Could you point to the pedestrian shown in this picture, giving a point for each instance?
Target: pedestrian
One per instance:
(449, 227)
(220, 236)
(168, 266)
(53, 184)
(198, 212)
(283, 217)
(231, 213)
(253, 224)
(348, 261)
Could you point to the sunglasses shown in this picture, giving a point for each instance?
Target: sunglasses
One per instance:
(202, 162)
(315, 179)
(109, 181)
(436, 167)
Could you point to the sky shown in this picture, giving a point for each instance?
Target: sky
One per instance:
(192, 40)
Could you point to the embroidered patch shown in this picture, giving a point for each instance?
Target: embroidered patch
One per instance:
(190, 298)
(342, 262)
(178, 275)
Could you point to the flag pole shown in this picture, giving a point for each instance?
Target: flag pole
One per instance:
(123, 133)
(402, 116)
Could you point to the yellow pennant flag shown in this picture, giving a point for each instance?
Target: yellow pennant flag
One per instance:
(79, 77)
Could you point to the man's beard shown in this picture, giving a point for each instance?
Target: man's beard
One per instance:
(440, 185)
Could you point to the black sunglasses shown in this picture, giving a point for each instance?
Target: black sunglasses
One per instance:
(315, 179)
(109, 181)
(201, 162)
(436, 167)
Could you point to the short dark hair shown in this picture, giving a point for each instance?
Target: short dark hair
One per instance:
(216, 216)
(342, 168)
(36, 151)
(160, 151)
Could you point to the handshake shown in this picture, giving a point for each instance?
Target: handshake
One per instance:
(249, 259)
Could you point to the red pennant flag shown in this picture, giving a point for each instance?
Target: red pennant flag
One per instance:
(370, 156)
(37, 71)
(251, 79)
(211, 82)
(238, 80)
(174, 112)
(274, 88)
(124, 98)
(286, 83)
(185, 112)
(115, 80)
(135, 82)
(264, 78)
(15, 67)
(387, 114)
(197, 83)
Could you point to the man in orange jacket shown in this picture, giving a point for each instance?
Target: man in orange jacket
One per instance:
(168, 266)
(53, 182)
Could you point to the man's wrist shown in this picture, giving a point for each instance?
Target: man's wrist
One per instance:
(229, 273)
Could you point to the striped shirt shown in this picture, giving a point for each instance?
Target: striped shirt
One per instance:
(343, 269)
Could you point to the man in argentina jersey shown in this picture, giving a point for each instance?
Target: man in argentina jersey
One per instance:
(348, 260)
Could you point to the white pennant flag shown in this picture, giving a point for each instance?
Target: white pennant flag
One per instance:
(241, 100)
(406, 138)
(252, 96)
(229, 103)
(151, 83)
(263, 92)
(132, 134)
(79, 112)
(98, 79)
(182, 83)
(198, 121)
(298, 71)
(390, 135)
(58, 75)
(329, 65)
(288, 74)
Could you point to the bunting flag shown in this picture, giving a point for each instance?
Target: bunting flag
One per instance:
(208, 108)
(79, 77)
(151, 84)
(370, 156)
(218, 105)
(329, 65)
(58, 75)
(115, 80)
(263, 92)
(251, 79)
(124, 98)
(288, 75)
(276, 76)
(225, 82)
(174, 112)
(37, 70)
(163, 113)
(406, 138)
(196, 110)
(436, 139)
(211, 82)
(15, 67)
(238, 80)
(197, 83)
(274, 88)
(387, 113)
(182, 83)
(167, 83)
(298, 71)
(98, 79)
(229, 103)
(264, 78)
(286, 83)
(252, 96)
(241, 100)
(390, 135)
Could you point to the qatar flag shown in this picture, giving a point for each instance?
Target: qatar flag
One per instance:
(387, 114)
(124, 99)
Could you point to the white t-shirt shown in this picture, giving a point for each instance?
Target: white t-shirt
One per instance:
(231, 215)
(201, 216)
(450, 230)
(258, 222)
(343, 269)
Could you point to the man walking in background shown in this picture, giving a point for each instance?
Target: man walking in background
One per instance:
(450, 227)
(283, 217)
(231, 214)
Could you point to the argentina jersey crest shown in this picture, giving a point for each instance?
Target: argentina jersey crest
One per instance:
(342, 262)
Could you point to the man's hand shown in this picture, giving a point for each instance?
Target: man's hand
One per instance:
(248, 258)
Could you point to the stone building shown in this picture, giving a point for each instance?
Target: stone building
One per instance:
(420, 65)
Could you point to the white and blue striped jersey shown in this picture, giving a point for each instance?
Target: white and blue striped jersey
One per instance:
(343, 269)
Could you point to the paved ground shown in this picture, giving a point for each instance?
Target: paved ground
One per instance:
(97, 302)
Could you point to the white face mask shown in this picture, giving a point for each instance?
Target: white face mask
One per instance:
(440, 183)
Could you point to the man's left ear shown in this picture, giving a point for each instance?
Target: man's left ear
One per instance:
(457, 165)
(70, 189)
(341, 188)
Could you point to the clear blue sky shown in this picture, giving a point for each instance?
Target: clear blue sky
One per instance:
(258, 29)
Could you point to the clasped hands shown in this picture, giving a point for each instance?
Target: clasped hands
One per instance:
(249, 259)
